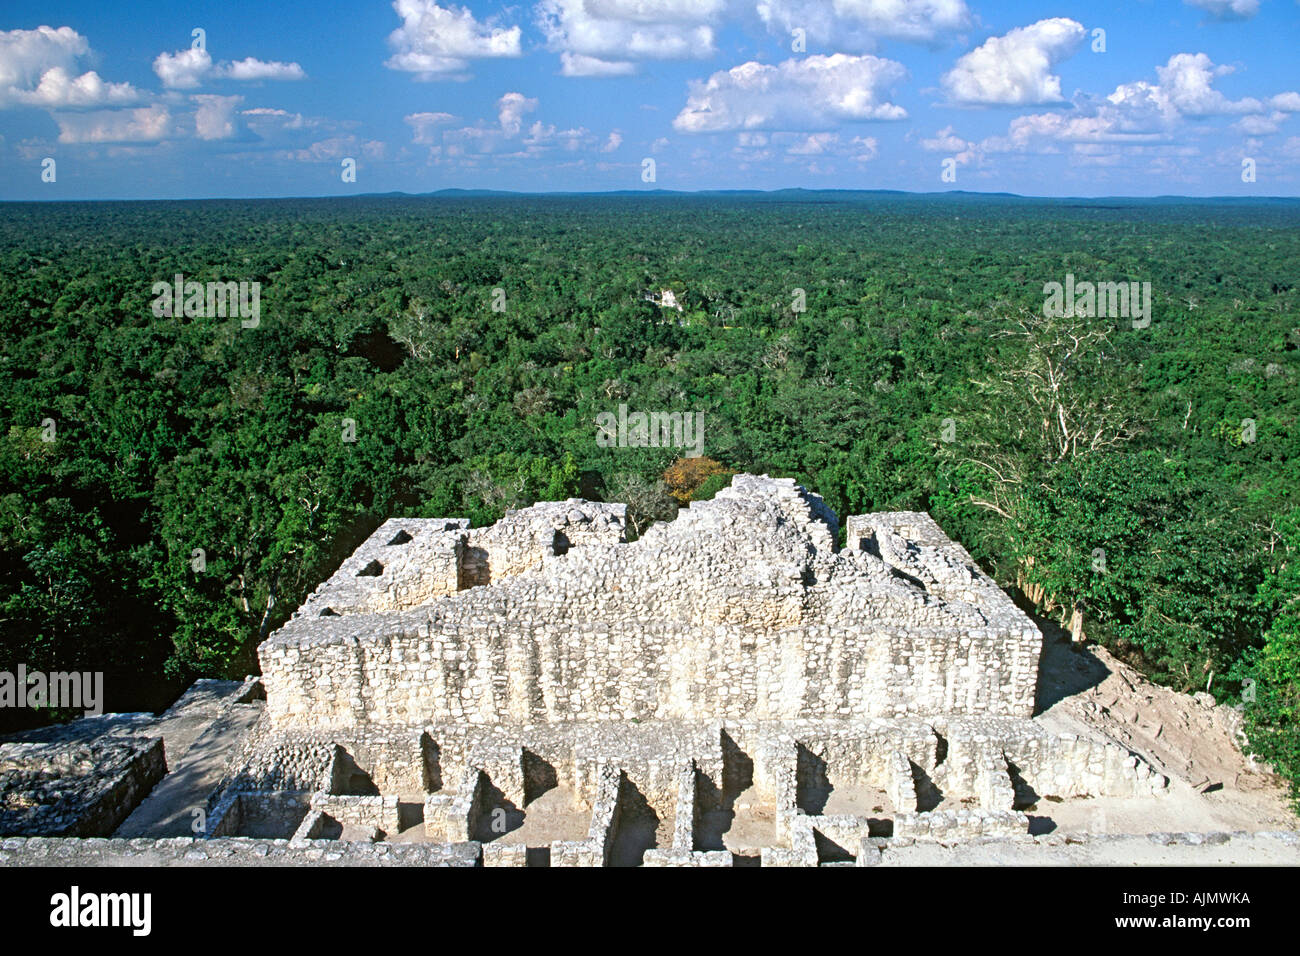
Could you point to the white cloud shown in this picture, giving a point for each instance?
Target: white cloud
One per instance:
(1186, 79)
(423, 126)
(183, 70)
(607, 37)
(945, 141)
(814, 92)
(826, 148)
(147, 124)
(1015, 69)
(1259, 124)
(1143, 114)
(25, 55)
(39, 68)
(264, 117)
(576, 64)
(1287, 102)
(507, 140)
(1227, 9)
(334, 149)
(510, 112)
(187, 69)
(215, 116)
(58, 88)
(439, 42)
(478, 141)
(541, 137)
(252, 69)
(865, 148)
(857, 24)
(814, 144)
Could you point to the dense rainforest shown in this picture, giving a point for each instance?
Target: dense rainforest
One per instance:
(172, 487)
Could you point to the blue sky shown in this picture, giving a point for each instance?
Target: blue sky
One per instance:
(579, 94)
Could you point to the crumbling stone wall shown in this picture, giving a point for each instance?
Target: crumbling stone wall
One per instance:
(76, 788)
(741, 608)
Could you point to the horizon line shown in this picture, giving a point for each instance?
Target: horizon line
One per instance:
(485, 192)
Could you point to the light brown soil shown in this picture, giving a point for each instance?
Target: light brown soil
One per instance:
(555, 815)
(1188, 738)
(747, 828)
(858, 802)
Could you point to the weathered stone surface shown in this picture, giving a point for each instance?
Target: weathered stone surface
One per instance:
(75, 788)
(741, 608)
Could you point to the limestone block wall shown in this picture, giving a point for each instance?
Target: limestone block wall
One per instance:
(378, 812)
(961, 824)
(980, 751)
(1070, 766)
(740, 609)
(525, 538)
(405, 671)
(406, 563)
(264, 815)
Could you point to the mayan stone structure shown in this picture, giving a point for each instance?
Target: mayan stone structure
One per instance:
(741, 609)
(733, 687)
(747, 684)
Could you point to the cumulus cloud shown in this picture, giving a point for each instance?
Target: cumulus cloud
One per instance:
(814, 144)
(1287, 102)
(1259, 124)
(510, 112)
(1227, 9)
(576, 64)
(506, 140)
(814, 92)
(789, 147)
(60, 89)
(188, 69)
(39, 68)
(1144, 114)
(334, 149)
(425, 125)
(252, 69)
(1186, 79)
(183, 70)
(437, 42)
(25, 55)
(543, 137)
(265, 117)
(857, 24)
(540, 138)
(1015, 69)
(945, 141)
(147, 124)
(608, 37)
(215, 116)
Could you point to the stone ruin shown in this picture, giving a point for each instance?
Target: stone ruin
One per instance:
(732, 688)
(75, 788)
